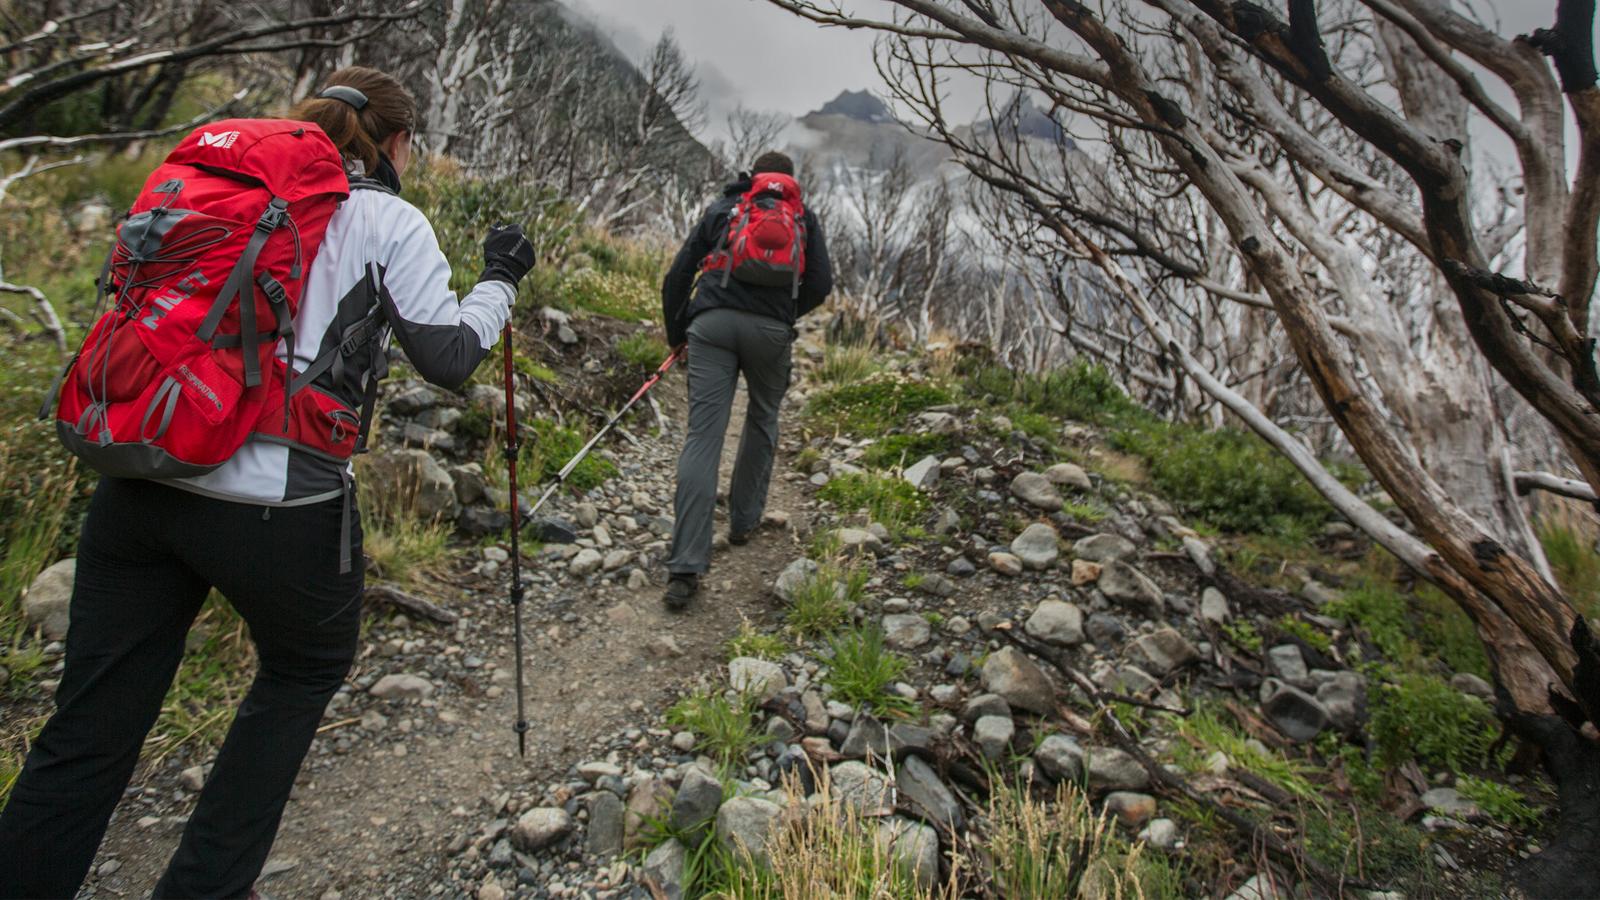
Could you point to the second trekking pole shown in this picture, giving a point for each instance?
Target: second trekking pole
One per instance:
(513, 457)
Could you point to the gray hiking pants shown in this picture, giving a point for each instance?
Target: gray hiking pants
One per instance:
(722, 344)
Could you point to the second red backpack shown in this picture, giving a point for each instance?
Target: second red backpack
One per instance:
(766, 239)
(205, 280)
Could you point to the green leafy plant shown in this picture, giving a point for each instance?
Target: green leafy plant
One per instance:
(1418, 716)
(898, 450)
(1243, 632)
(1207, 731)
(618, 295)
(862, 670)
(642, 350)
(1305, 631)
(891, 502)
(750, 641)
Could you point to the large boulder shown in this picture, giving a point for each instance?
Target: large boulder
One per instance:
(664, 869)
(1300, 716)
(1069, 475)
(914, 846)
(928, 795)
(48, 599)
(541, 827)
(1009, 673)
(413, 478)
(863, 787)
(696, 803)
(760, 677)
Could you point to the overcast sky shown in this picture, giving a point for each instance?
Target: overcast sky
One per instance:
(750, 53)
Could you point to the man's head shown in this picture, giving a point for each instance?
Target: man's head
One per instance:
(773, 161)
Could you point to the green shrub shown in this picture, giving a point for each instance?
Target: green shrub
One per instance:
(548, 446)
(722, 727)
(892, 502)
(642, 351)
(1421, 717)
(866, 408)
(1230, 478)
(905, 449)
(861, 670)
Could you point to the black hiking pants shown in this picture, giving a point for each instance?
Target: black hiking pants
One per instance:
(147, 557)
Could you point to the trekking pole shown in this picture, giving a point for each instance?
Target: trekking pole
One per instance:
(561, 477)
(513, 456)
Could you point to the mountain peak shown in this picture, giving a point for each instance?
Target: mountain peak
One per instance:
(863, 106)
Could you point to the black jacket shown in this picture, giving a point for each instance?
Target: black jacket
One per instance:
(677, 307)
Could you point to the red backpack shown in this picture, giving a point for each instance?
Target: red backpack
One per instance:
(766, 239)
(205, 279)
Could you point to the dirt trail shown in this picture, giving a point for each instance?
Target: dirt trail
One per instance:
(380, 811)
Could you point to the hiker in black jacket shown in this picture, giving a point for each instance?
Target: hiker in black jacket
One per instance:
(732, 324)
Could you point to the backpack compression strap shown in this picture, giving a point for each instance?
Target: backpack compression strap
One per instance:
(240, 287)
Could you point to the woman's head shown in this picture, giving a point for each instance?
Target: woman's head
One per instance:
(383, 124)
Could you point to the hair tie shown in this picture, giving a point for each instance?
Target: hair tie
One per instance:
(345, 93)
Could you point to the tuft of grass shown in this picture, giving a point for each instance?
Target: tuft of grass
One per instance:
(1058, 848)
(862, 408)
(398, 542)
(1206, 731)
(642, 350)
(1085, 512)
(1366, 842)
(1569, 544)
(1419, 716)
(722, 727)
(899, 450)
(1500, 802)
(1080, 391)
(862, 669)
(822, 602)
(619, 295)
(1411, 629)
(846, 364)
(892, 502)
(546, 447)
(751, 641)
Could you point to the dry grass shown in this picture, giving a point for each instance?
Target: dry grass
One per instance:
(1059, 849)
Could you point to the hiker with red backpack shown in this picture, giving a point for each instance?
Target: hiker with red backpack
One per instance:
(252, 291)
(762, 262)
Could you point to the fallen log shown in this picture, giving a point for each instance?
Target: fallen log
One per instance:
(389, 595)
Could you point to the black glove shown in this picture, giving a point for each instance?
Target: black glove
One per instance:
(507, 255)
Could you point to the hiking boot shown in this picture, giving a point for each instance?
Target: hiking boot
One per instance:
(681, 588)
(740, 538)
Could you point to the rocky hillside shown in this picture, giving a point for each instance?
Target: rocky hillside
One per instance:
(1001, 635)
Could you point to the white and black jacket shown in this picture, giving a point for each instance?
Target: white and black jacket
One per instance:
(378, 275)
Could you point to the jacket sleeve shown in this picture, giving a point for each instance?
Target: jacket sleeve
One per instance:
(818, 282)
(679, 283)
(445, 340)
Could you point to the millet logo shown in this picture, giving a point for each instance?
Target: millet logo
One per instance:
(166, 302)
(220, 141)
(204, 389)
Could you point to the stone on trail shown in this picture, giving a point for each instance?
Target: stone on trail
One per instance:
(920, 785)
(1085, 572)
(1162, 652)
(1037, 546)
(793, 576)
(1036, 491)
(1056, 622)
(760, 677)
(1069, 475)
(663, 869)
(417, 476)
(867, 736)
(1060, 757)
(46, 602)
(605, 823)
(1112, 769)
(924, 473)
(746, 825)
(1005, 563)
(1289, 663)
(905, 631)
(402, 687)
(1213, 606)
(1131, 808)
(540, 827)
(1124, 584)
(863, 787)
(1343, 697)
(648, 800)
(1103, 548)
(1448, 801)
(985, 705)
(858, 540)
(696, 803)
(587, 562)
(915, 846)
(1300, 716)
(1161, 834)
(993, 736)
(1472, 685)
(1019, 680)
